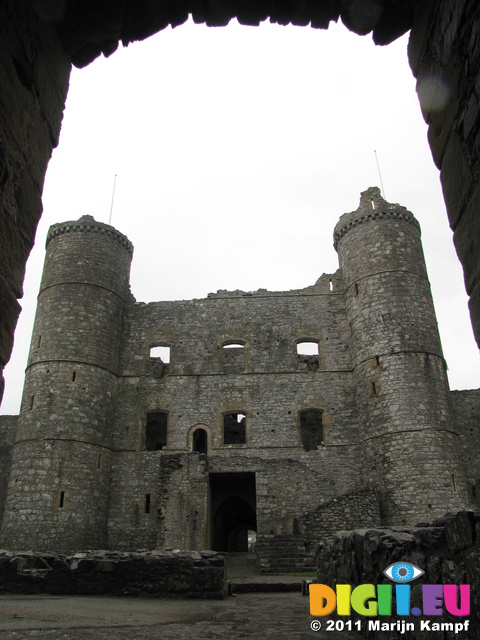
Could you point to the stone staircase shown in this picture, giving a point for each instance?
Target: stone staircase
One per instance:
(244, 576)
(283, 553)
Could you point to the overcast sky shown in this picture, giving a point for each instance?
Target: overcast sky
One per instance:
(236, 150)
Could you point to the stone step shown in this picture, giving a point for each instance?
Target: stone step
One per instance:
(268, 584)
(286, 569)
(283, 553)
(279, 545)
(286, 560)
(278, 566)
(234, 587)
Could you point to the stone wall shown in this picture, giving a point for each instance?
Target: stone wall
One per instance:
(34, 75)
(343, 513)
(448, 551)
(181, 508)
(8, 428)
(466, 408)
(444, 54)
(270, 385)
(145, 574)
(177, 512)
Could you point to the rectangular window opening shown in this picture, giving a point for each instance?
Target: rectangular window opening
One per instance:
(234, 428)
(156, 430)
(311, 428)
(307, 348)
(39, 341)
(61, 503)
(233, 357)
(74, 375)
(99, 461)
(308, 355)
(161, 352)
(32, 402)
(453, 482)
(147, 503)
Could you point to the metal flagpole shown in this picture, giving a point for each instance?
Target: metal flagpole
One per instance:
(113, 196)
(380, 176)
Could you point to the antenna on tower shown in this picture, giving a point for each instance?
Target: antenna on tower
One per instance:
(380, 175)
(113, 196)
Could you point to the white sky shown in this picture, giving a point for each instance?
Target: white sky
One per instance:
(237, 150)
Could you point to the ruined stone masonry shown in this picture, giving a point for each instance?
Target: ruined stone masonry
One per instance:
(147, 574)
(187, 424)
(448, 551)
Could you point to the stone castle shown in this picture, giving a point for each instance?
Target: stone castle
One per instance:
(289, 414)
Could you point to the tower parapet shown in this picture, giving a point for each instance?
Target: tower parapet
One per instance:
(58, 491)
(410, 451)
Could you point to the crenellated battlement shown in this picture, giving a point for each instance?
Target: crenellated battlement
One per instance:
(87, 224)
(372, 208)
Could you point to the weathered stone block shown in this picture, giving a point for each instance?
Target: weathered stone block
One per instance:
(467, 240)
(460, 532)
(456, 178)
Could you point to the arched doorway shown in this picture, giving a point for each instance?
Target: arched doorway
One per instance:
(233, 510)
(234, 518)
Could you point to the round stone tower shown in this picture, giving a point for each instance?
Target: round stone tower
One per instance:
(58, 491)
(410, 448)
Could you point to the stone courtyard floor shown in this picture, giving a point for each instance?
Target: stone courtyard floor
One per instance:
(266, 615)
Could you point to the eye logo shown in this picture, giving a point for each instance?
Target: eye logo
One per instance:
(403, 572)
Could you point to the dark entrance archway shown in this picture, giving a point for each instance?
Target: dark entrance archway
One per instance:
(233, 510)
(233, 519)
